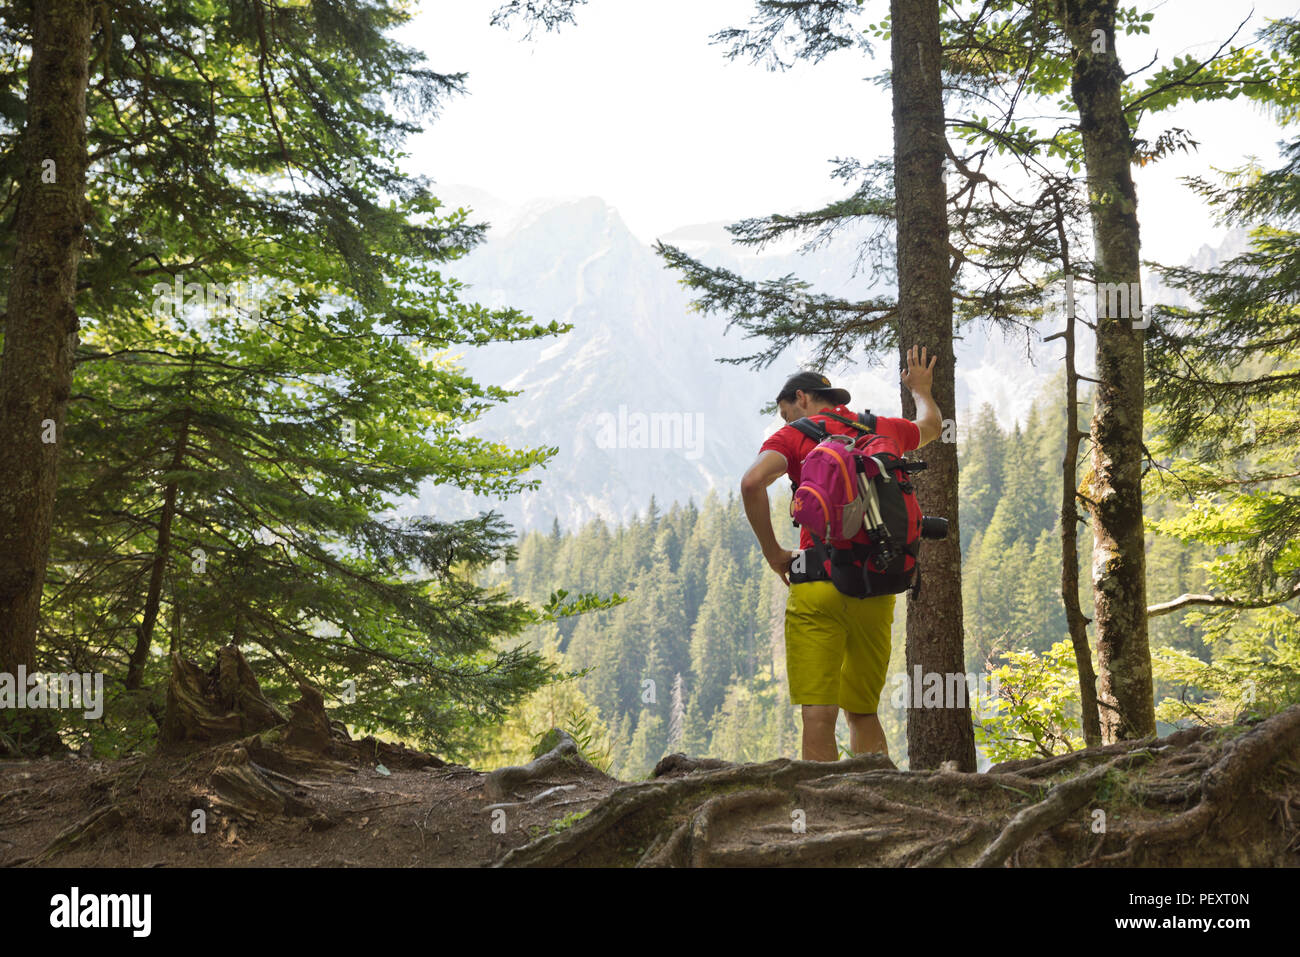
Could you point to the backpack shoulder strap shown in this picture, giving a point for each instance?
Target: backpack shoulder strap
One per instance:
(814, 430)
(865, 421)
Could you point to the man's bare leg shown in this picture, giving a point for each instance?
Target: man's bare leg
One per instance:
(866, 734)
(819, 732)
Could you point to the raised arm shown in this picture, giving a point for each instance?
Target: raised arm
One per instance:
(918, 377)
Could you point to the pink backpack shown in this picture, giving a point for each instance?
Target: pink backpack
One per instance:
(855, 496)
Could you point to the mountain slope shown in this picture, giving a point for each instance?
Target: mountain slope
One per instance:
(639, 363)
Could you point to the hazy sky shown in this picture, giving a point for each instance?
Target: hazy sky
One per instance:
(635, 105)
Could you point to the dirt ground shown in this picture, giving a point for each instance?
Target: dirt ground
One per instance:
(412, 817)
(299, 796)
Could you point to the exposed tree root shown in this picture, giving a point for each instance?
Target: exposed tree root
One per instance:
(242, 788)
(83, 832)
(950, 851)
(251, 760)
(1227, 784)
(1047, 767)
(564, 759)
(1061, 803)
(262, 775)
(672, 765)
(1195, 798)
(691, 843)
(1025, 813)
(645, 811)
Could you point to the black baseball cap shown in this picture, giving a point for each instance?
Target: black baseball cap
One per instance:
(812, 382)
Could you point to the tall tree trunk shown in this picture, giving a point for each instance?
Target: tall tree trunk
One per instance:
(934, 620)
(40, 322)
(1074, 616)
(162, 550)
(1126, 695)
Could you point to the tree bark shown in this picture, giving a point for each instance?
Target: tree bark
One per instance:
(40, 323)
(934, 619)
(1126, 695)
(1074, 616)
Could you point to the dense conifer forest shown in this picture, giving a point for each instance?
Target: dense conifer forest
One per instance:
(693, 661)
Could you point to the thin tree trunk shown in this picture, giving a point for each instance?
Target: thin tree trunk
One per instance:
(174, 644)
(162, 550)
(1074, 616)
(1126, 695)
(40, 322)
(934, 620)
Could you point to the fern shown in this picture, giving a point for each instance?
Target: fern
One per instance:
(581, 726)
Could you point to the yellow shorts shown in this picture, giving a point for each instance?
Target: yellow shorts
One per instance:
(836, 647)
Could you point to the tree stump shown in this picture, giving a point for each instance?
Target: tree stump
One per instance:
(218, 705)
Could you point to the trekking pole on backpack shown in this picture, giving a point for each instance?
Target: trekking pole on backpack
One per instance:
(874, 522)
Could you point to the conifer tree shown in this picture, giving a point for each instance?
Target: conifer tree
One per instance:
(719, 633)
(677, 713)
(45, 175)
(1226, 388)
(620, 744)
(695, 729)
(259, 372)
(981, 471)
(647, 746)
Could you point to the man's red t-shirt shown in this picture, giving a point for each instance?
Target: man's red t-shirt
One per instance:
(794, 445)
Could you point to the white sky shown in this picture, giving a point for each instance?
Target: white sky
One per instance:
(635, 105)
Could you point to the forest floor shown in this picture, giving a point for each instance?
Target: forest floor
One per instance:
(1212, 797)
(417, 815)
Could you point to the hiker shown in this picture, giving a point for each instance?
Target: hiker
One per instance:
(836, 647)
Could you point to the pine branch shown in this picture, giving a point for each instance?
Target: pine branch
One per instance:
(1220, 601)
